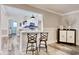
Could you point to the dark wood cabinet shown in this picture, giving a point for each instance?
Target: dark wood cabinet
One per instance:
(67, 36)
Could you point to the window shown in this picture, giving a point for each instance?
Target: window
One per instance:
(14, 24)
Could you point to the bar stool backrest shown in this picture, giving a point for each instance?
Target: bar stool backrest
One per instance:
(32, 37)
(44, 36)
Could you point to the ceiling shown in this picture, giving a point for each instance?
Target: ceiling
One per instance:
(17, 11)
(58, 8)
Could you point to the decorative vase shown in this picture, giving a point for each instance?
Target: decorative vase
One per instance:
(69, 27)
(61, 27)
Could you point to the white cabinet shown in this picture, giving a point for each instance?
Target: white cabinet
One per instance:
(67, 36)
(63, 35)
(70, 36)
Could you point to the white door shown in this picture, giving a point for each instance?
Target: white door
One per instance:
(70, 36)
(62, 35)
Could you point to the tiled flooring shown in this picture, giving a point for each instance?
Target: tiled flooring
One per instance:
(53, 49)
(64, 49)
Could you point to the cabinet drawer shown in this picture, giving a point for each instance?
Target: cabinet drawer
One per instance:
(62, 36)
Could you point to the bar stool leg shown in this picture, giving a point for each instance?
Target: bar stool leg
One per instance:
(26, 48)
(46, 46)
(36, 48)
(39, 45)
(32, 48)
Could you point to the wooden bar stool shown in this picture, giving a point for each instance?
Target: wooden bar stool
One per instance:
(43, 40)
(32, 43)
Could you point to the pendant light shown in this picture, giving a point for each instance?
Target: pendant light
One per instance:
(32, 16)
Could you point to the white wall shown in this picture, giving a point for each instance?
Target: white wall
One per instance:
(0, 26)
(74, 19)
(50, 21)
(17, 15)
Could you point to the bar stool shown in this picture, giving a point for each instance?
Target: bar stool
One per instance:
(32, 43)
(43, 40)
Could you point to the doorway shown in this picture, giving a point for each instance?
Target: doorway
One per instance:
(12, 27)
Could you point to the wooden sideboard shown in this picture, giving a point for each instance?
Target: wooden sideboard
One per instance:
(67, 36)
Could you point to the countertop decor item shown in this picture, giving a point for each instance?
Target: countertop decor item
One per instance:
(70, 21)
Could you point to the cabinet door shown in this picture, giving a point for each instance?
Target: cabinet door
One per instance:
(70, 36)
(62, 36)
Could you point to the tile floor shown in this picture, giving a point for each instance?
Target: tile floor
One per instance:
(53, 49)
